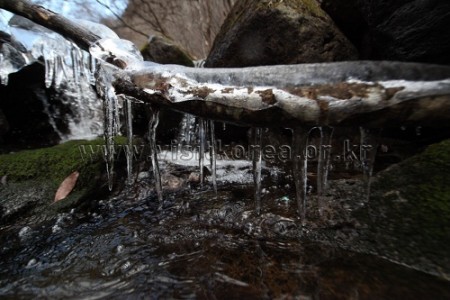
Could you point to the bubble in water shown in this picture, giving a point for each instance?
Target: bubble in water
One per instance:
(32, 262)
(24, 231)
(56, 228)
(120, 248)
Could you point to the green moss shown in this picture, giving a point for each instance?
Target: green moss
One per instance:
(416, 197)
(33, 176)
(311, 7)
(51, 164)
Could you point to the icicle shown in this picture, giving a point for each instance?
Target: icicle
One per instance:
(212, 155)
(299, 141)
(323, 164)
(153, 124)
(4, 75)
(107, 93)
(201, 154)
(59, 71)
(49, 71)
(93, 68)
(75, 64)
(368, 151)
(85, 68)
(187, 130)
(110, 132)
(257, 165)
(129, 148)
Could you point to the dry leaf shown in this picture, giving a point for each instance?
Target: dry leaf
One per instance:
(66, 186)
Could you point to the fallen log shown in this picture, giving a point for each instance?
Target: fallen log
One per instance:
(372, 94)
(364, 93)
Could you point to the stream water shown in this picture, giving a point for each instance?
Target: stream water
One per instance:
(198, 245)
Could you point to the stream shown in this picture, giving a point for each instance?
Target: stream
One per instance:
(198, 245)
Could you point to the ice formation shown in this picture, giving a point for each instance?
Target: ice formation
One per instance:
(68, 69)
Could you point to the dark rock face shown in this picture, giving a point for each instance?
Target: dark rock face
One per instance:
(404, 30)
(22, 105)
(4, 126)
(163, 51)
(278, 32)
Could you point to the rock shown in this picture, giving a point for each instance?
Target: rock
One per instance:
(4, 126)
(278, 32)
(407, 217)
(164, 51)
(349, 19)
(416, 31)
(34, 175)
(22, 106)
(171, 182)
(405, 30)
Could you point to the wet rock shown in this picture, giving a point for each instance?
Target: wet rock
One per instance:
(278, 32)
(4, 126)
(405, 30)
(22, 105)
(164, 51)
(172, 182)
(405, 219)
(415, 198)
(34, 176)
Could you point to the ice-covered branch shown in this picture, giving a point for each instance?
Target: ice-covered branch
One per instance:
(374, 94)
(42, 16)
(347, 93)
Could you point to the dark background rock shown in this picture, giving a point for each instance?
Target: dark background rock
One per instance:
(23, 109)
(163, 51)
(278, 32)
(403, 30)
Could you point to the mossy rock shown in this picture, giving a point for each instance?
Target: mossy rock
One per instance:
(164, 51)
(409, 210)
(418, 192)
(273, 32)
(31, 177)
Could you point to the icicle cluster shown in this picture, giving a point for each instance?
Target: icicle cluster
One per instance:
(68, 69)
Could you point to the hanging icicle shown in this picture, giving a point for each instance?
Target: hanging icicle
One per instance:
(368, 151)
(129, 132)
(323, 164)
(108, 94)
(49, 71)
(299, 142)
(152, 126)
(201, 152)
(256, 134)
(212, 155)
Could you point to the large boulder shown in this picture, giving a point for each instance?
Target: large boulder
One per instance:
(278, 32)
(164, 51)
(404, 30)
(406, 216)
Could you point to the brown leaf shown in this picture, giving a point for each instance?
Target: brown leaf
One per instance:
(66, 186)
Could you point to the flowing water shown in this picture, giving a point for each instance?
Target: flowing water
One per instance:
(197, 246)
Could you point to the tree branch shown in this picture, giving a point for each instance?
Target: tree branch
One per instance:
(42, 16)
